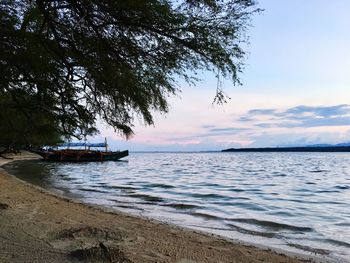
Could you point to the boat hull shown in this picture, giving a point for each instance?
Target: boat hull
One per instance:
(81, 156)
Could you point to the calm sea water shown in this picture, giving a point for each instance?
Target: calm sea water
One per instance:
(298, 202)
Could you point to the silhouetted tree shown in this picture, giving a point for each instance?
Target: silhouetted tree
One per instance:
(82, 61)
(24, 125)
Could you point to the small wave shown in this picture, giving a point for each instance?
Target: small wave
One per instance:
(332, 242)
(133, 204)
(92, 190)
(343, 224)
(207, 196)
(181, 206)
(129, 207)
(316, 202)
(302, 190)
(68, 179)
(282, 213)
(319, 251)
(209, 185)
(280, 175)
(254, 171)
(211, 227)
(318, 171)
(272, 225)
(207, 216)
(65, 177)
(254, 190)
(301, 201)
(327, 191)
(120, 187)
(230, 203)
(237, 190)
(253, 232)
(148, 198)
(160, 186)
(336, 242)
(342, 187)
(250, 206)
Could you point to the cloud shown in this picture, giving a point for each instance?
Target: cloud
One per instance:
(207, 126)
(299, 116)
(225, 130)
(246, 119)
(319, 122)
(261, 112)
(265, 125)
(329, 111)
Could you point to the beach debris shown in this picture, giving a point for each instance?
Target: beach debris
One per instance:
(100, 253)
(5, 157)
(4, 206)
(89, 232)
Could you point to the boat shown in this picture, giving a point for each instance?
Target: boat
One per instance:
(81, 155)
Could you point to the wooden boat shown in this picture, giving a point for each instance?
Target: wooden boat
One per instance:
(81, 155)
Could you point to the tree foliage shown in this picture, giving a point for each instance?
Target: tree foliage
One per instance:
(81, 61)
(19, 129)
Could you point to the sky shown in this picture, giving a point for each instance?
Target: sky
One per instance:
(296, 88)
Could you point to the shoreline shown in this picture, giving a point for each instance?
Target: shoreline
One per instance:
(40, 225)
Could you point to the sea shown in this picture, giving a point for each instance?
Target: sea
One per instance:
(297, 202)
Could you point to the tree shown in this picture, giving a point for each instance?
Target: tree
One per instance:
(114, 60)
(19, 130)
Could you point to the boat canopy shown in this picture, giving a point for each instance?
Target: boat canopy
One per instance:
(82, 144)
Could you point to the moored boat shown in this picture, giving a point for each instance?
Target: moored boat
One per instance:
(81, 155)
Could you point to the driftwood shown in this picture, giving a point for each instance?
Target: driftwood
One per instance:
(7, 150)
(4, 157)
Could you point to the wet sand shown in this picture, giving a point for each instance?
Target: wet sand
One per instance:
(37, 226)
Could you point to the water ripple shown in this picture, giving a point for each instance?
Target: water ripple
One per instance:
(272, 225)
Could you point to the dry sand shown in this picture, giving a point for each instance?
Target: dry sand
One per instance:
(36, 226)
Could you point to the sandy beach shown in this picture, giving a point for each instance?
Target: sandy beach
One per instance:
(37, 226)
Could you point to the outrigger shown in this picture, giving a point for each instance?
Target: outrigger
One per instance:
(81, 155)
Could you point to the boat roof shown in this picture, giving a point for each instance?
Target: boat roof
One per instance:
(82, 144)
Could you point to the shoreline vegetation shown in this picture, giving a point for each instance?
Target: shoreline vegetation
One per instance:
(39, 226)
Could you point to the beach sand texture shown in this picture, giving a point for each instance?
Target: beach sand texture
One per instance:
(36, 226)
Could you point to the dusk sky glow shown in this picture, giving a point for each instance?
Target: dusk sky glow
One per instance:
(295, 88)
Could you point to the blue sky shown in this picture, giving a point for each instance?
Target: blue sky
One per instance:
(295, 88)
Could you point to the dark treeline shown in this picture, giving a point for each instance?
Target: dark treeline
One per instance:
(292, 149)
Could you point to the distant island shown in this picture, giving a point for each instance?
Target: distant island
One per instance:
(311, 148)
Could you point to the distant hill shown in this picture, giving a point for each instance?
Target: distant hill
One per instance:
(329, 145)
(341, 147)
(343, 144)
